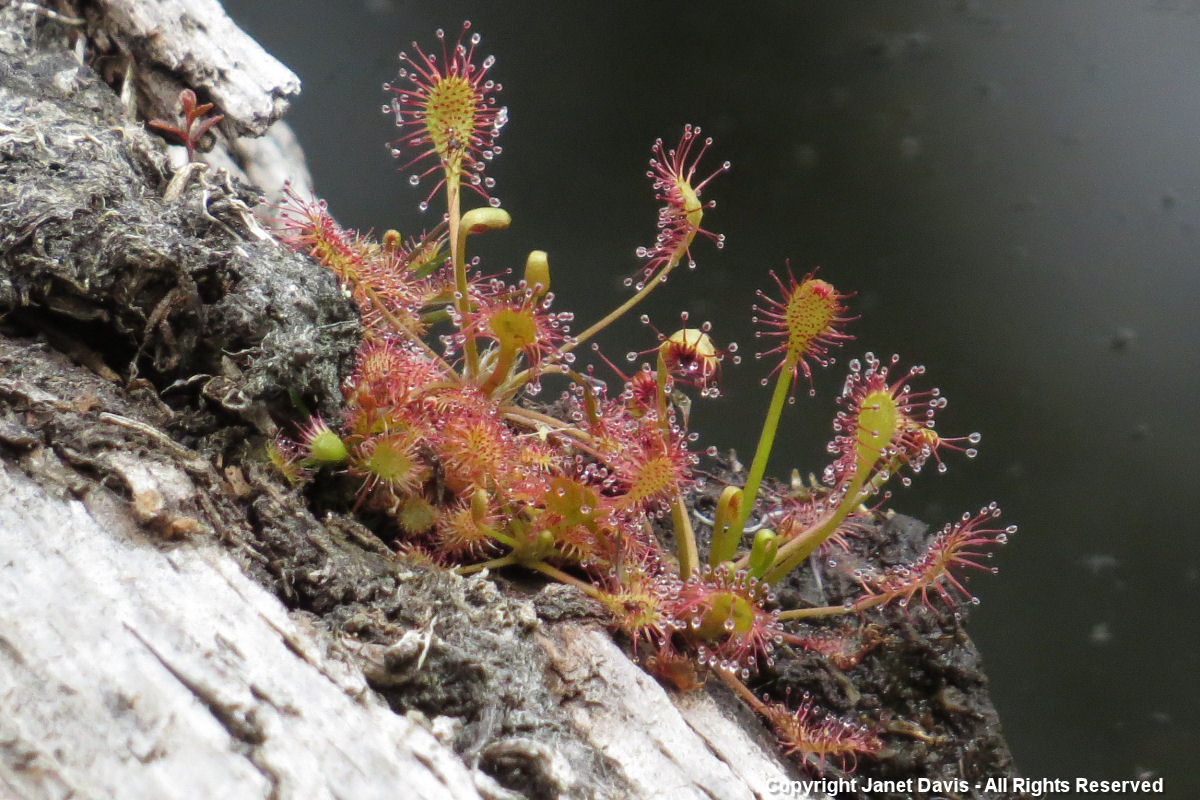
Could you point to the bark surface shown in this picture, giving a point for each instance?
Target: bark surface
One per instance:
(174, 621)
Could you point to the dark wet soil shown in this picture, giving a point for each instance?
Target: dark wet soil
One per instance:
(919, 683)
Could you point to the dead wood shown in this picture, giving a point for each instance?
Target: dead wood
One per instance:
(174, 621)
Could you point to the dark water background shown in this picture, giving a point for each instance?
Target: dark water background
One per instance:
(1013, 189)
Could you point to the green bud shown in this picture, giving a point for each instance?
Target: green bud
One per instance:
(479, 506)
(537, 271)
(725, 537)
(478, 220)
(762, 553)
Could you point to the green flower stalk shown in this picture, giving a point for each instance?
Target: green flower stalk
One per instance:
(809, 320)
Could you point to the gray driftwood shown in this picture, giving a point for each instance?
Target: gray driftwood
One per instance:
(174, 621)
(192, 43)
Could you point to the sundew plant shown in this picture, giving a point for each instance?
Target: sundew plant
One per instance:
(479, 441)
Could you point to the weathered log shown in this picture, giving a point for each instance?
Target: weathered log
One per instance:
(132, 670)
(177, 44)
(174, 621)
